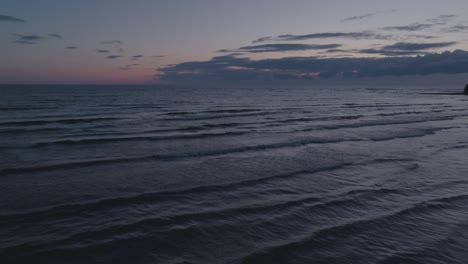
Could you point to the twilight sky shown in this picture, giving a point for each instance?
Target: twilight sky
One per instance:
(151, 41)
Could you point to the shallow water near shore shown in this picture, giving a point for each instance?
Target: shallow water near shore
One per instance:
(141, 174)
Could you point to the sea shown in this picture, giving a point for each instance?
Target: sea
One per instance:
(265, 174)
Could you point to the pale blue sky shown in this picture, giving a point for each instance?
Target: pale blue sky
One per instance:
(189, 30)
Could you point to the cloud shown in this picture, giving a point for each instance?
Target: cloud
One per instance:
(357, 17)
(398, 49)
(406, 46)
(126, 68)
(71, 47)
(368, 34)
(336, 51)
(25, 42)
(158, 56)
(234, 69)
(113, 56)
(411, 27)
(283, 47)
(103, 51)
(138, 56)
(33, 39)
(5, 18)
(419, 36)
(57, 36)
(117, 44)
(113, 42)
(432, 22)
(457, 29)
(390, 52)
(27, 39)
(442, 19)
(325, 35)
(447, 16)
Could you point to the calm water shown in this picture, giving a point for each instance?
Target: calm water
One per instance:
(264, 175)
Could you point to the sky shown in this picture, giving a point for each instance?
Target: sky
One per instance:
(151, 41)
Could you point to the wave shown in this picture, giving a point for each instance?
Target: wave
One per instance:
(169, 194)
(199, 127)
(152, 138)
(220, 111)
(383, 105)
(434, 251)
(410, 113)
(327, 118)
(374, 123)
(56, 121)
(31, 130)
(209, 215)
(210, 117)
(348, 228)
(460, 145)
(156, 196)
(26, 108)
(255, 148)
(132, 106)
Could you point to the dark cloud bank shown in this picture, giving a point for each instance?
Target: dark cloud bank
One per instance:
(238, 70)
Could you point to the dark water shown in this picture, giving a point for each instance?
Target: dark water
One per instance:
(264, 175)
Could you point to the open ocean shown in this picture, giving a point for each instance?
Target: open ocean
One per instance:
(139, 174)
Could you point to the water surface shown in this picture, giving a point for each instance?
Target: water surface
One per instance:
(135, 174)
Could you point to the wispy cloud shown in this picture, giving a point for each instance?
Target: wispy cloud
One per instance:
(402, 49)
(442, 19)
(390, 53)
(418, 46)
(283, 47)
(71, 47)
(419, 36)
(113, 56)
(158, 56)
(27, 39)
(457, 29)
(112, 42)
(138, 56)
(325, 35)
(357, 17)
(103, 51)
(126, 67)
(57, 36)
(117, 44)
(5, 18)
(427, 24)
(114, 46)
(411, 27)
(129, 67)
